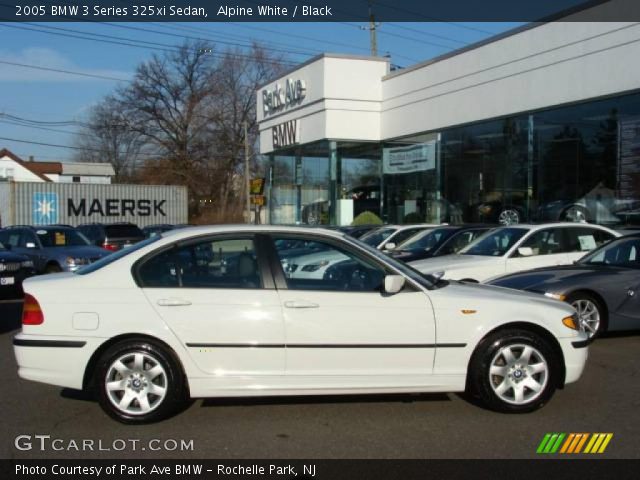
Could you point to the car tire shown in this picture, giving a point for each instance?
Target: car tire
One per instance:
(506, 382)
(146, 374)
(591, 313)
(52, 268)
(509, 216)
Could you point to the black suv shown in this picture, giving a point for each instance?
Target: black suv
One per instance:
(112, 236)
(14, 268)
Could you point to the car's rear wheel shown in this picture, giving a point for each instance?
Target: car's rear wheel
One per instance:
(509, 216)
(514, 371)
(139, 382)
(590, 313)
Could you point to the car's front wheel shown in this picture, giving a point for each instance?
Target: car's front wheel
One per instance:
(139, 382)
(590, 313)
(514, 371)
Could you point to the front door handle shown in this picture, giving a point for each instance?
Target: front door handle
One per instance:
(300, 304)
(173, 302)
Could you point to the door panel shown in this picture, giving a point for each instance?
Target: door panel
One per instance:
(338, 320)
(332, 338)
(210, 294)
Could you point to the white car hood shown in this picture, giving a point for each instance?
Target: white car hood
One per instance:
(449, 263)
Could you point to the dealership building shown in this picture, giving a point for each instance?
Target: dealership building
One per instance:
(539, 123)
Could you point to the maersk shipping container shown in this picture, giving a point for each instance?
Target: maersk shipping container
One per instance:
(26, 203)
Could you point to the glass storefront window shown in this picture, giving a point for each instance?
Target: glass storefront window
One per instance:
(571, 163)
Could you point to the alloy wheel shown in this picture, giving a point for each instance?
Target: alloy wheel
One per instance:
(509, 217)
(588, 316)
(575, 214)
(518, 374)
(136, 383)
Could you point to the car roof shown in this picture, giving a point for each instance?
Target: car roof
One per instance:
(190, 231)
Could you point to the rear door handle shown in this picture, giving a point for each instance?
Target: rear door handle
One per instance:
(173, 302)
(300, 304)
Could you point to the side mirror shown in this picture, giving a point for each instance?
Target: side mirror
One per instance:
(30, 245)
(393, 283)
(389, 246)
(525, 251)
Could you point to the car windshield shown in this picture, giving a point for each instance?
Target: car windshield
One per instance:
(426, 240)
(495, 243)
(61, 237)
(376, 237)
(112, 257)
(623, 252)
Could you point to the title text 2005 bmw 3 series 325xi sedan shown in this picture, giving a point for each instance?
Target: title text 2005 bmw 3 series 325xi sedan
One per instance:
(223, 311)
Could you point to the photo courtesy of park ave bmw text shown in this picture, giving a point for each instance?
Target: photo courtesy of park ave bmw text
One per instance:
(320, 239)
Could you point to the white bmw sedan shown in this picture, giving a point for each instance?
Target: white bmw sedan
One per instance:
(516, 248)
(211, 312)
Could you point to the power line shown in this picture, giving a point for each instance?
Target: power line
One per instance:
(224, 42)
(69, 72)
(129, 42)
(429, 34)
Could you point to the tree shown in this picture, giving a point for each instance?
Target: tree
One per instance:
(107, 138)
(165, 105)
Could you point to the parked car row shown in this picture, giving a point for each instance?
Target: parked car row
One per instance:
(57, 248)
(593, 268)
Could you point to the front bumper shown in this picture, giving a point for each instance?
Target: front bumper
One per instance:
(575, 357)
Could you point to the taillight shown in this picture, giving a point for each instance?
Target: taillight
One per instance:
(31, 311)
(109, 246)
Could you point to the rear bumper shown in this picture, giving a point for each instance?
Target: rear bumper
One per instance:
(57, 361)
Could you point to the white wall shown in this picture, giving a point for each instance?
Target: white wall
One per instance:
(20, 174)
(551, 64)
(342, 101)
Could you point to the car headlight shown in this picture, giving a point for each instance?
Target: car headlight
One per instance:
(571, 321)
(71, 261)
(555, 296)
(27, 264)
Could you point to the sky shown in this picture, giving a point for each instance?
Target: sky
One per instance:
(62, 98)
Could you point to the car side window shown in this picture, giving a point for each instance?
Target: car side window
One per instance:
(324, 266)
(223, 263)
(26, 237)
(545, 242)
(585, 239)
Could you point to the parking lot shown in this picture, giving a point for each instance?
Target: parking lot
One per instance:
(606, 399)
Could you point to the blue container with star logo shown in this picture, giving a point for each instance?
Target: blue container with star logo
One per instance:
(44, 208)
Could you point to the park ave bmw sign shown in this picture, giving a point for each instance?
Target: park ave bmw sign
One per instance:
(278, 97)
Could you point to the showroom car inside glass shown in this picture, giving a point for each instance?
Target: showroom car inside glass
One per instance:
(473, 136)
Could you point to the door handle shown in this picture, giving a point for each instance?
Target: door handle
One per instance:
(173, 302)
(300, 304)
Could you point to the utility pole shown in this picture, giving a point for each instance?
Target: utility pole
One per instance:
(247, 179)
(373, 39)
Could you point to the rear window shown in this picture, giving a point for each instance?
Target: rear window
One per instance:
(112, 257)
(122, 231)
(61, 237)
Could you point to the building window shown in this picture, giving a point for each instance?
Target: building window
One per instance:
(75, 179)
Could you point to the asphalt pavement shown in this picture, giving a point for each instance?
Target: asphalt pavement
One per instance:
(606, 399)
